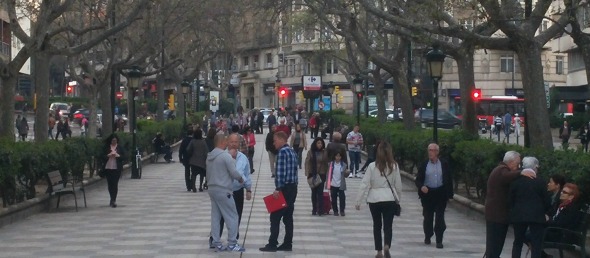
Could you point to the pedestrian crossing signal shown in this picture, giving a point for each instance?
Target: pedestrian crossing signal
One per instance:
(414, 91)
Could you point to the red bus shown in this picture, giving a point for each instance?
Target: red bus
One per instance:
(488, 108)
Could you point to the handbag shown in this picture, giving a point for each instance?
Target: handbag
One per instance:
(397, 209)
(101, 173)
(314, 181)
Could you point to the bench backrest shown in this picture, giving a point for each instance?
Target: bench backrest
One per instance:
(56, 181)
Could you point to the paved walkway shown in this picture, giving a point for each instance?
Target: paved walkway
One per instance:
(157, 217)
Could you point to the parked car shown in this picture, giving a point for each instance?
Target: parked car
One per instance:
(59, 109)
(445, 119)
(84, 112)
(169, 114)
(391, 114)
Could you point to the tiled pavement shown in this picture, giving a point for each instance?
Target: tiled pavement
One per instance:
(157, 217)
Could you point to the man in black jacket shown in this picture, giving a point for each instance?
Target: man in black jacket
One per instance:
(529, 206)
(185, 157)
(435, 188)
(272, 151)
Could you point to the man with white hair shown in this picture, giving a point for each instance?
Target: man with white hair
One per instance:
(529, 202)
(496, 204)
(282, 127)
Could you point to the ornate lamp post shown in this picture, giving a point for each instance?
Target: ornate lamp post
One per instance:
(186, 89)
(331, 124)
(435, 59)
(133, 81)
(357, 83)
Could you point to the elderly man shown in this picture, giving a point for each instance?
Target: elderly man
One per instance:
(529, 204)
(435, 188)
(336, 146)
(282, 127)
(243, 167)
(221, 173)
(496, 204)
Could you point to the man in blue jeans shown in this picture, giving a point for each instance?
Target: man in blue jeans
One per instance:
(354, 140)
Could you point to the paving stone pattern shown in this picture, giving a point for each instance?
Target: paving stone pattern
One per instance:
(157, 217)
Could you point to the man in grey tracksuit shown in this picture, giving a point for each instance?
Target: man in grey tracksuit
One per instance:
(221, 172)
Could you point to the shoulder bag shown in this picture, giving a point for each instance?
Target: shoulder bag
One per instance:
(397, 209)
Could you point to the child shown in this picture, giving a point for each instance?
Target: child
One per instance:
(337, 173)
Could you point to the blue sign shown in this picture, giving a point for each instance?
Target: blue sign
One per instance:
(323, 104)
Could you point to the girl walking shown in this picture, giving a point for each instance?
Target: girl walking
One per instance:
(337, 173)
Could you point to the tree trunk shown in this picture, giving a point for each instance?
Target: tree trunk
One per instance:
(7, 125)
(379, 94)
(467, 84)
(91, 130)
(537, 115)
(41, 78)
(406, 101)
(107, 112)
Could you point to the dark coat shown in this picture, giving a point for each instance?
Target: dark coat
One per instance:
(182, 154)
(198, 150)
(498, 188)
(334, 148)
(567, 133)
(107, 149)
(569, 217)
(529, 200)
(269, 143)
(447, 178)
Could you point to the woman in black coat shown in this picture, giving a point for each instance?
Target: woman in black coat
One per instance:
(113, 155)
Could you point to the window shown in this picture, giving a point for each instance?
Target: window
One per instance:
(331, 67)
(506, 64)
(310, 33)
(291, 65)
(307, 68)
(559, 65)
(298, 36)
(575, 61)
(246, 63)
(255, 62)
(268, 60)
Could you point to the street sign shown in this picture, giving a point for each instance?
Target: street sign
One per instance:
(312, 83)
(119, 95)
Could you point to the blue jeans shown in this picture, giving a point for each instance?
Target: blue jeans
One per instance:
(355, 160)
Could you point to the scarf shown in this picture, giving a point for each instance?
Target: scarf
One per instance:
(562, 206)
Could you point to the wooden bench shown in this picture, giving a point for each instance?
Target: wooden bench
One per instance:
(573, 240)
(58, 186)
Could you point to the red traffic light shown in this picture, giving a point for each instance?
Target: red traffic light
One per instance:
(282, 92)
(69, 89)
(476, 94)
(359, 95)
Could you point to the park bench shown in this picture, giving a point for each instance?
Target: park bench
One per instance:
(573, 240)
(58, 186)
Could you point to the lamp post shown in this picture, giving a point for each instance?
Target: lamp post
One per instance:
(198, 89)
(133, 81)
(277, 86)
(331, 124)
(435, 59)
(186, 89)
(358, 88)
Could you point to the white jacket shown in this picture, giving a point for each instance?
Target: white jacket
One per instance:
(374, 187)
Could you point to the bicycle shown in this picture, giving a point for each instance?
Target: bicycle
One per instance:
(138, 162)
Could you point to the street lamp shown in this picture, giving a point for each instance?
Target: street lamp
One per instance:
(358, 88)
(133, 81)
(277, 86)
(331, 124)
(186, 89)
(198, 89)
(435, 59)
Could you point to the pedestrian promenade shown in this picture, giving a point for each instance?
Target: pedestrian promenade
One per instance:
(157, 217)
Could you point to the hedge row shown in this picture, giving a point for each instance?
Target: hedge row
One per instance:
(24, 164)
(471, 159)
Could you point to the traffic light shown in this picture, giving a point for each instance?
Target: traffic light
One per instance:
(359, 96)
(69, 89)
(171, 101)
(476, 94)
(414, 91)
(337, 90)
(282, 92)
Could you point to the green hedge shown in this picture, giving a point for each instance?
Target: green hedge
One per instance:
(471, 159)
(24, 164)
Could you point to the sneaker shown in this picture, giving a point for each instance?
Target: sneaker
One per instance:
(236, 248)
(220, 248)
(351, 175)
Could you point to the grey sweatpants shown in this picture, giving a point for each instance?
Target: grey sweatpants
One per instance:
(223, 204)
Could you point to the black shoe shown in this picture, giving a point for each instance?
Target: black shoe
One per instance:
(313, 213)
(114, 204)
(439, 245)
(211, 246)
(285, 247)
(268, 248)
(200, 189)
(427, 241)
(342, 214)
(194, 190)
(188, 189)
(336, 214)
